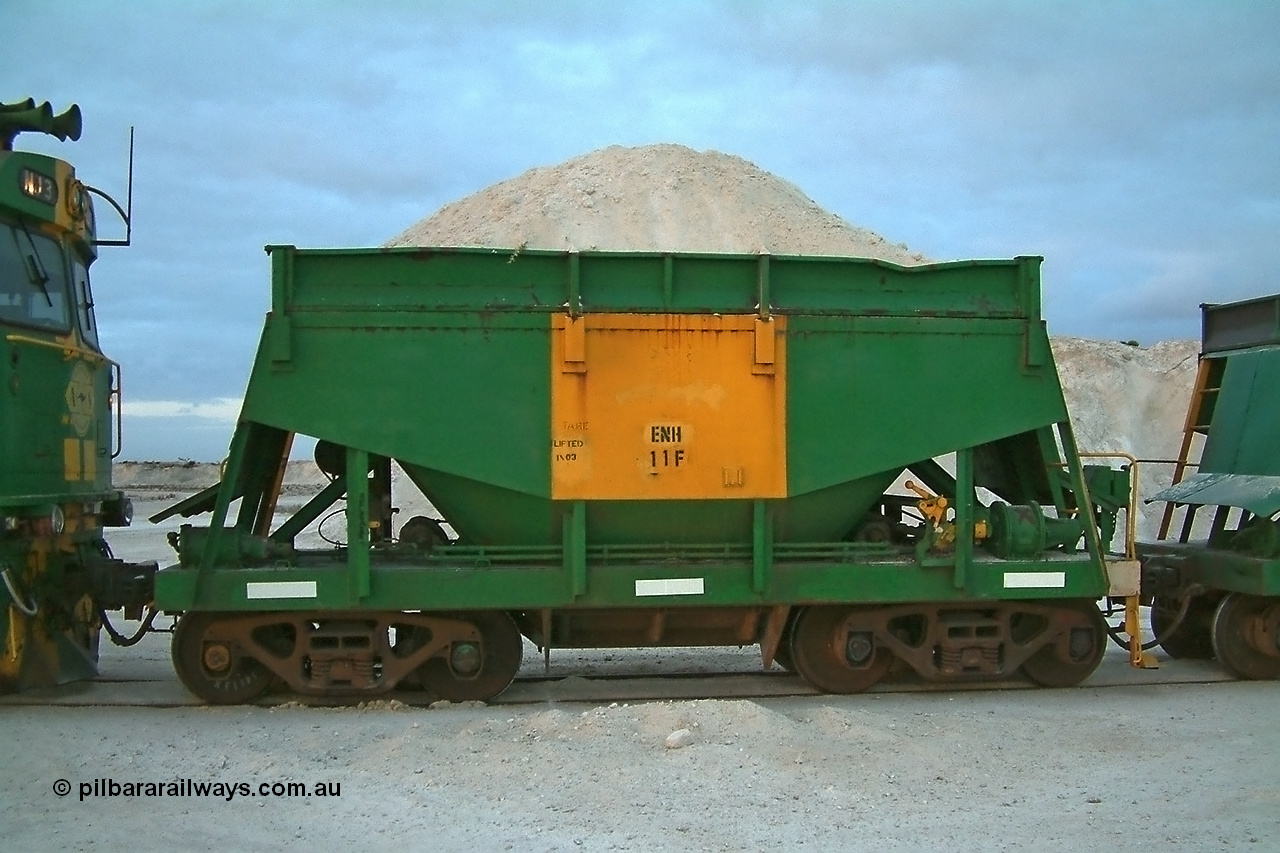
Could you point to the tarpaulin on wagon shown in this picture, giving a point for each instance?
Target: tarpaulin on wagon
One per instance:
(1258, 494)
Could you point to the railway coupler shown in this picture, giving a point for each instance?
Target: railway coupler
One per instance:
(121, 585)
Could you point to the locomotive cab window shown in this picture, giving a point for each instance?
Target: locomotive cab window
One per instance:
(33, 280)
(84, 302)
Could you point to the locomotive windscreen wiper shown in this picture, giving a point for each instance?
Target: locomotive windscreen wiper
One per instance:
(38, 277)
(35, 267)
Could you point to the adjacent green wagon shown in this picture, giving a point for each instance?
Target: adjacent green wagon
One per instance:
(1215, 592)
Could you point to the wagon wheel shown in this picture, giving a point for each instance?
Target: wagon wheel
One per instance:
(834, 649)
(211, 663)
(1074, 656)
(1193, 639)
(1243, 627)
(468, 672)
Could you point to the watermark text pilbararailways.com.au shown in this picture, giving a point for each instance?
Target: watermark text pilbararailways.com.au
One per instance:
(102, 788)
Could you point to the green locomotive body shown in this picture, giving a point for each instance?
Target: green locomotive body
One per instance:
(847, 462)
(56, 424)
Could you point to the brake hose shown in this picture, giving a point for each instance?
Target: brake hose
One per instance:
(120, 639)
(1117, 633)
(18, 602)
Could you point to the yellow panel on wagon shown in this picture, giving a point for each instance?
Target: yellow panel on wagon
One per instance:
(668, 406)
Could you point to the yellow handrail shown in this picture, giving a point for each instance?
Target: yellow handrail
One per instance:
(1131, 511)
(1132, 621)
(68, 349)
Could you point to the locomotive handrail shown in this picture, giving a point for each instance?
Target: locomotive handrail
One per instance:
(68, 350)
(128, 225)
(117, 391)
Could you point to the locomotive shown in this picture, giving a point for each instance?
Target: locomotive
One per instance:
(57, 435)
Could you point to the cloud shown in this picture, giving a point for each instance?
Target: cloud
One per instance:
(224, 410)
(180, 429)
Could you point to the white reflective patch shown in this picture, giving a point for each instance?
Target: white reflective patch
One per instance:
(669, 586)
(280, 589)
(1035, 580)
(1125, 577)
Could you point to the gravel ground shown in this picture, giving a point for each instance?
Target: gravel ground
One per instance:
(1166, 767)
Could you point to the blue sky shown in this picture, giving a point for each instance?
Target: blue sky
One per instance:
(1136, 145)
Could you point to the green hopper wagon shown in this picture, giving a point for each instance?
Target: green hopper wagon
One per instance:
(847, 462)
